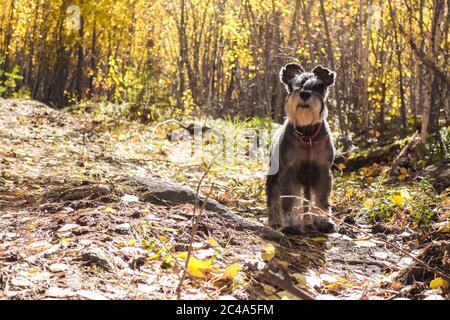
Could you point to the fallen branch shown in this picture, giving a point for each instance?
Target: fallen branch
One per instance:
(406, 149)
(284, 282)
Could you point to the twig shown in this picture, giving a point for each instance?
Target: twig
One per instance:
(409, 146)
(372, 262)
(284, 283)
(195, 223)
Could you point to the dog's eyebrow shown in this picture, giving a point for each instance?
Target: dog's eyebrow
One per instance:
(313, 84)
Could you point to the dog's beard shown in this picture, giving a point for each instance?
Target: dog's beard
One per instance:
(300, 116)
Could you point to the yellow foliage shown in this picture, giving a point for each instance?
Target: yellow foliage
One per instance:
(197, 268)
(212, 242)
(368, 203)
(439, 283)
(268, 251)
(231, 271)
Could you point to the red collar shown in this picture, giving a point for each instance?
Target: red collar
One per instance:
(309, 141)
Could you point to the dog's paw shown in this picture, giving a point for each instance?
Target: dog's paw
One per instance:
(292, 229)
(309, 223)
(325, 225)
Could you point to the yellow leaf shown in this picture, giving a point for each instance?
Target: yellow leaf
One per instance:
(439, 283)
(337, 285)
(212, 242)
(341, 166)
(300, 279)
(197, 268)
(348, 193)
(268, 289)
(444, 228)
(231, 271)
(131, 242)
(405, 194)
(318, 239)
(401, 177)
(268, 251)
(109, 209)
(398, 199)
(368, 203)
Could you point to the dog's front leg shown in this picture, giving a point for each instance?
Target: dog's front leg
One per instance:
(273, 200)
(322, 190)
(291, 193)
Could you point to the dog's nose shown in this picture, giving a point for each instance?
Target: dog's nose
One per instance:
(305, 95)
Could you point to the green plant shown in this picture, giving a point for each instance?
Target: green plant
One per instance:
(8, 79)
(437, 147)
(414, 205)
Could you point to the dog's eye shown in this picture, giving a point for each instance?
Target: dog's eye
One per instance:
(320, 87)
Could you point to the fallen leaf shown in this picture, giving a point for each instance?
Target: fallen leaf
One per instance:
(58, 267)
(368, 203)
(91, 295)
(268, 251)
(212, 242)
(396, 285)
(68, 227)
(231, 271)
(269, 290)
(445, 228)
(109, 209)
(398, 199)
(197, 268)
(20, 282)
(300, 279)
(439, 283)
(59, 292)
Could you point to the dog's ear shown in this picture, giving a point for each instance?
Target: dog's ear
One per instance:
(325, 74)
(288, 72)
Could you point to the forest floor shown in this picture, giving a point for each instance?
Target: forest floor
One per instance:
(76, 224)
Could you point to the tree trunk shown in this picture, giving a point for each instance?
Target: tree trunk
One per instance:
(342, 125)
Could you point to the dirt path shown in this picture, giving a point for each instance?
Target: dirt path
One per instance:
(74, 223)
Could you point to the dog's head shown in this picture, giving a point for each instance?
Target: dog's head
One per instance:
(307, 91)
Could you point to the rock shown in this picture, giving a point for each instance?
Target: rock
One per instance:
(160, 190)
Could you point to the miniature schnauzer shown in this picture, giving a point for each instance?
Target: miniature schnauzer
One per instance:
(301, 154)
